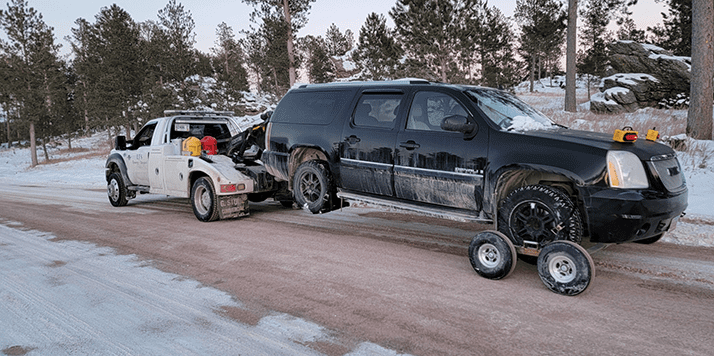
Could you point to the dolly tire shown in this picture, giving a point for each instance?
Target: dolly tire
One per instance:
(565, 268)
(492, 255)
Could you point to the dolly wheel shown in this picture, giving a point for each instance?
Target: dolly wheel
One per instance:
(565, 267)
(492, 255)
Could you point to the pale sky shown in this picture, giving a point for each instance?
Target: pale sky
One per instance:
(207, 14)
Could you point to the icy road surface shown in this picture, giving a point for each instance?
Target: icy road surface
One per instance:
(70, 298)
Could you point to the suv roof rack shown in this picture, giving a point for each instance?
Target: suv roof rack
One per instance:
(377, 82)
(198, 112)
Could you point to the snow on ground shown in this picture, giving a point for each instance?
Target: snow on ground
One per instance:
(58, 297)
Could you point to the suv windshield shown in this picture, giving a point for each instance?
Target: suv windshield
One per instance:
(507, 111)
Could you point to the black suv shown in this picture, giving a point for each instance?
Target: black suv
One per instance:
(474, 153)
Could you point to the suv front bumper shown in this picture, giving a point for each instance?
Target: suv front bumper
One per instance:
(617, 215)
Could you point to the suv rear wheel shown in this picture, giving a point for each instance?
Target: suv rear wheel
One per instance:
(312, 187)
(540, 214)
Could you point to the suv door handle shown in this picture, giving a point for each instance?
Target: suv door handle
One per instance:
(353, 139)
(410, 145)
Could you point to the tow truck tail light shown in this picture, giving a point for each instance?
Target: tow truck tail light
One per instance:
(625, 135)
(232, 188)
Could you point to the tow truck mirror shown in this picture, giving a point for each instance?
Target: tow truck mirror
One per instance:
(458, 123)
(266, 115)
(120, 143)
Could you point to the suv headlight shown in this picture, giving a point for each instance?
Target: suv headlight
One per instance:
(625, 170)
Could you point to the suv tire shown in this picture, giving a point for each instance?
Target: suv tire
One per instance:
(312, 187)
(539, 213)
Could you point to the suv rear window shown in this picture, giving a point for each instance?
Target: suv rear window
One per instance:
(310, 107)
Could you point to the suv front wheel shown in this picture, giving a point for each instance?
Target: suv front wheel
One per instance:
(539, 214)
(312, 187)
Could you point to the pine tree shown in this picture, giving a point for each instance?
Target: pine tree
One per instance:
(110, 68)
(498, 65)
(337, 43)
(319, 66)
(431, 28)
(32, 56)
(179, 27)
(676, 32)
(596, 17)
(228, 61)
(293, 14)
(157, 94)
(377, 54)
(628, 30)
(254, 49)
(542, 32)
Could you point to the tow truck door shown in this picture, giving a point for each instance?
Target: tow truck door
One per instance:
(137, 159)
(367, 148)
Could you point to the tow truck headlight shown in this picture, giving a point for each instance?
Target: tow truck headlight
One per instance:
(625, 170)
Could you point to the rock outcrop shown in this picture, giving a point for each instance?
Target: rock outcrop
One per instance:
(641, 75)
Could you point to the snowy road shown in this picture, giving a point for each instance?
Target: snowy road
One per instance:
(78, 276)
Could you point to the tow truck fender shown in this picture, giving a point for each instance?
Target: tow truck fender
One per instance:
(116, 159)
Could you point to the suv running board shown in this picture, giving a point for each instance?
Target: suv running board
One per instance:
(439, 212)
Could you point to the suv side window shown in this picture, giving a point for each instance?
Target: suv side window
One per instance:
(429, 109)
(310, 107)
(377, 110)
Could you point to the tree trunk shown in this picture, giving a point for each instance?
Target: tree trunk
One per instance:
(699, 117)
(291, 50)
(571, 43)
(44, 149)
(532, 74)
(7, 126)
(33, 144)
(127, 128)
(86, 111)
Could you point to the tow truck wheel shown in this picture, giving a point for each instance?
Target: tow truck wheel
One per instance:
(492, 255)
(565, 267)
(311, 184)
(116, 190)
(204, 200)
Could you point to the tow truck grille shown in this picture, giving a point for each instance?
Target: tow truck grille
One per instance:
(668, 171)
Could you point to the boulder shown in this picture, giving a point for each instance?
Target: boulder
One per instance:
(651, 74)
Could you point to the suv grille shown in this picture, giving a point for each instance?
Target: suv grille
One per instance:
(668, 171)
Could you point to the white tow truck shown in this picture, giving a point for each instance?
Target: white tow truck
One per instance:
(190, 154)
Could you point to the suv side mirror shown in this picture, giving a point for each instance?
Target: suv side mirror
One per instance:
(120, 143)
(458, 123)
